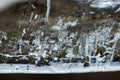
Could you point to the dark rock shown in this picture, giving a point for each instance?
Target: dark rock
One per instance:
(86, 64)
(86, 59)
(42, 62)
(116, 58)
(100, 50)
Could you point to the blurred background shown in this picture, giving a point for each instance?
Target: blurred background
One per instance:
(6, 3)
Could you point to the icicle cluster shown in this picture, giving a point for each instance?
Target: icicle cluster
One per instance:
(60, 44)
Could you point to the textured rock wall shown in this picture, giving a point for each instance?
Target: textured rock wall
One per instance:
(76, 31)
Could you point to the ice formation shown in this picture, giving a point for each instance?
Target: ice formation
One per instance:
(105, 3)
(3, 36)
(61, 43)
(48, 11)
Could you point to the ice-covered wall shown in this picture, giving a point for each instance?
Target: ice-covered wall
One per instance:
(63, 40)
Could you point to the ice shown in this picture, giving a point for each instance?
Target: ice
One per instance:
(104, 3)
(55, 59)
(118, 10)
(24, 32)
(3, 37)
(48, 11)
(59, 43)
(60, 22)
(31, 17)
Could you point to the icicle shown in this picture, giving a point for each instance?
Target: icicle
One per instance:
(30, 20)
(20, 41)
(3, 36)
(48, 12)
(24, 32)
(36, 16)
(20, 49)
(86, 46)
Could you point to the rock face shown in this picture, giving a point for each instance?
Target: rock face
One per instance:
(77, 29)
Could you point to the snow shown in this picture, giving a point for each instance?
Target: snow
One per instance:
(118, 10)
(70, 24)
(56, 68)
(8, 55)
(24, 58)
(55, 28)
(36, 16)
(44, 54)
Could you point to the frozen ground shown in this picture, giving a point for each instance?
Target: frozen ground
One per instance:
(56, 68)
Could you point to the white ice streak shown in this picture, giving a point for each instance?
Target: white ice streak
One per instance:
(118, 10)
(48, 11)
(24, 32)
(3, 36)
